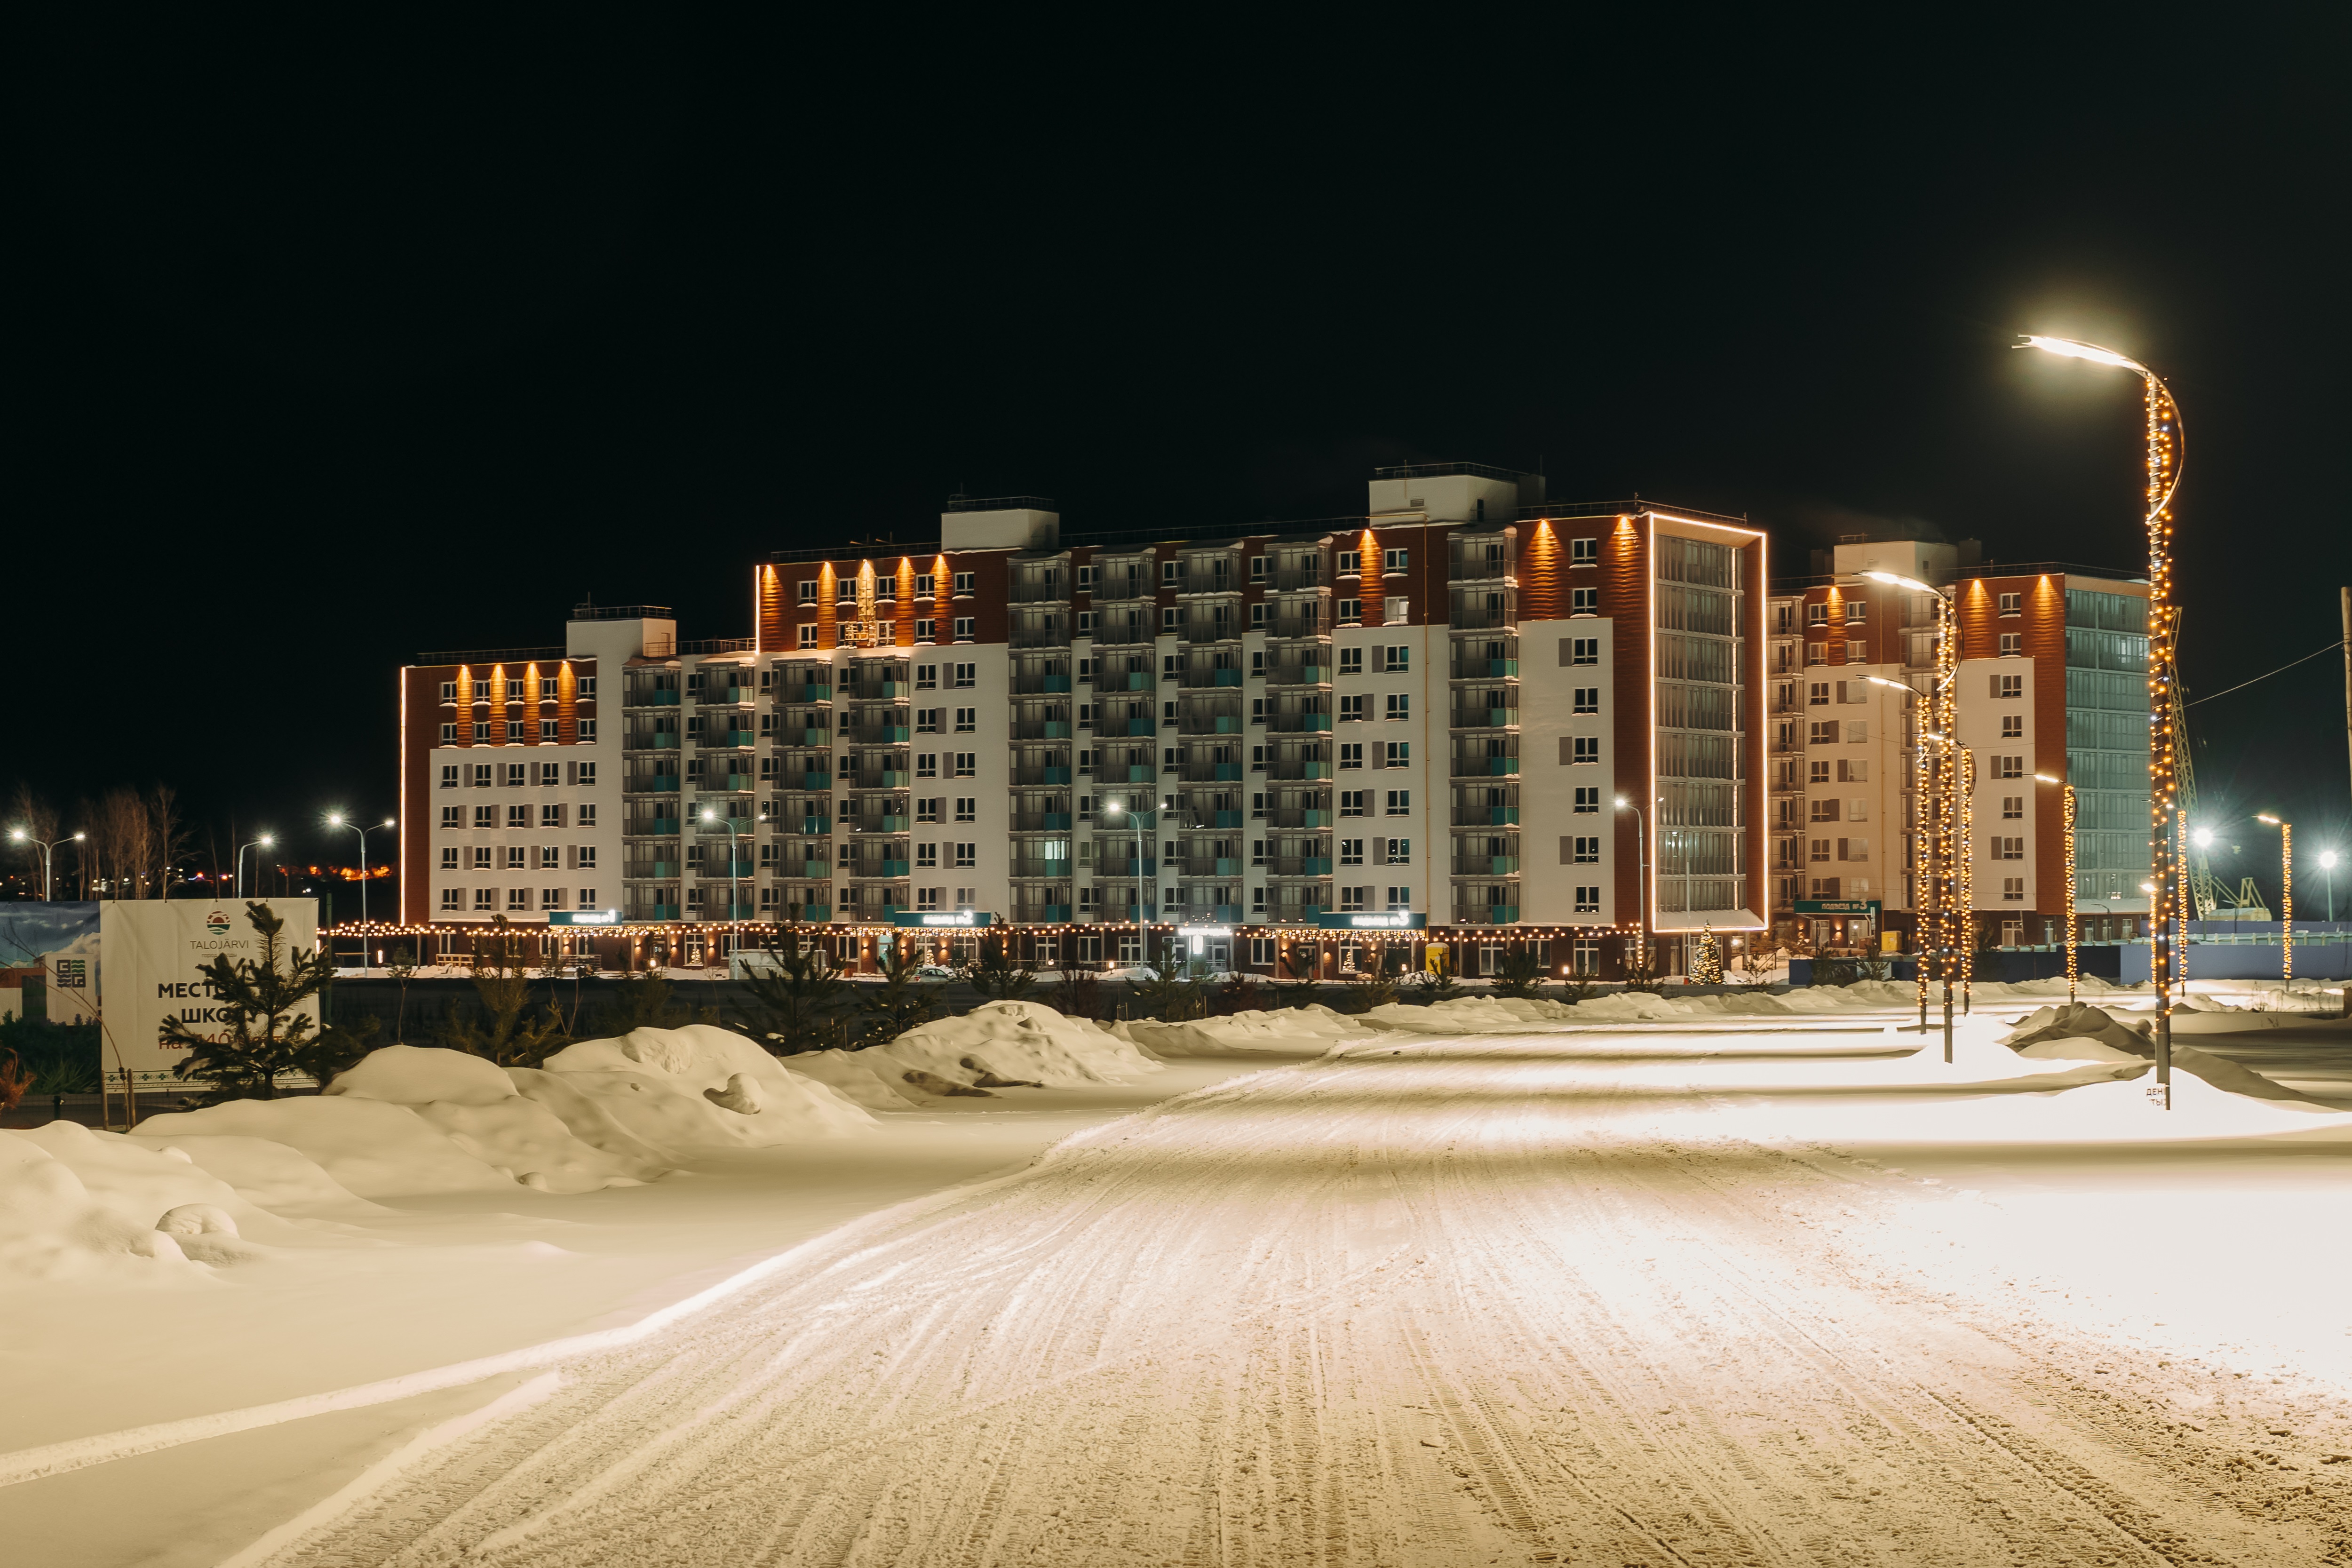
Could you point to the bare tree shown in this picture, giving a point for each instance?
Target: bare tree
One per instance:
(167, 834)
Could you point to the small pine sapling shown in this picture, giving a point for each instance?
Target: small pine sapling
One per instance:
(267, 1035)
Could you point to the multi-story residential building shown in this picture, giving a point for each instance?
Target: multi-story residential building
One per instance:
(2053, 671)
(1415, 725)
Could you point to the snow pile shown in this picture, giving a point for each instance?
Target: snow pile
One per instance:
(1294, 1030)
(1019, 1042)
(370, 1147)
(2078, 1021)
(74, 1202)
(668, 1093)
(866, 1077)
(267, 1175)
(476, 1106)
(2075, 1032)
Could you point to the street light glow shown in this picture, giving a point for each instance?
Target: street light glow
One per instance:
(2328, 858)
(1913, 584)
(2069, 349)
(2204, 837)
(2266, 817)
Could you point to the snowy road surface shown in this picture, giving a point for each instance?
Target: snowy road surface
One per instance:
(1449, 1301)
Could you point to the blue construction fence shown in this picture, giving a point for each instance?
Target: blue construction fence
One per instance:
(2007, 964)
(2255, 950)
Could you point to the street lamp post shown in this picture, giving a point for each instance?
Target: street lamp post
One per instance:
(2066, 796)
(2286, 894)
(335, 819)
(2165, 451)
(264, 842)
(1642, 865)
(1940, 854)
(48, 852)
(1113, 808)
(711, 814)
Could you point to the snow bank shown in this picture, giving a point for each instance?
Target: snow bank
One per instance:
(1024, 1042)
(75, 1203)
(866, 1077)
(660, 1090)
(369, 1146)
(2074, 1031)
(1294, 1030)
(265, 1174)
(476, 1106)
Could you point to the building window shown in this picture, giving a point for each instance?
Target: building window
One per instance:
(1351, 852)
(964, 582)
(1397, 754)
(1584, 650)
(1398, 851)
(1396, 661)
(1587, 798)
(517, 817)
(453, 817)
(2009, 688)
(2008, 767)
(1584, 551)
(1399, 705)
(1819, 851)
(967, 720)
(1586, 700)
(1352, 899)
(1588, 902)
(587, 861)
(2012, 807)
(965, 629)
(1350, 562)
(926, 764)
(1351, 709)
(967, 763)
(2013, 726)
(1584, 601)
(926, 586)
(2009, 848)
(927, 897)
(2013, 604)
(1352, 662)
(586, 813)
(965, 675)
(1400, 803)
(2013, 891)
(453, 900)
(1351, 801)
(2012, 644)
(1584, 749)
(808, 637)
(808, 590)
(927, 809)
(1352, 754)
(449, 857)
(928, 720)
(967, 808)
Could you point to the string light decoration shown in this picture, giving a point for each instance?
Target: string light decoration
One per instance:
(1922, 882)
(1964, 858)
(2180, 885)
(2165, 451)
(2073, 962)
(2286, 893)
(1707, 959)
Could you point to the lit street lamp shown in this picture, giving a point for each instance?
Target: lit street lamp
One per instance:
(1641, 864)
(48, 850)
(265, 841)
(1112, 808)
(2165, 451)
(711, 814)
(2286, 893)
(335, 819)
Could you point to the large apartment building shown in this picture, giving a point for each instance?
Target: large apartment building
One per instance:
(1413, 725)
(2053, 680)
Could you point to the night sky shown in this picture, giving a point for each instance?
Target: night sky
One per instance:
(325, 351)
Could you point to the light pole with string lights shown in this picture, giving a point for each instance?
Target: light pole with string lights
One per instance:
(2066, 795)
(2286, 894)
(2166, 449)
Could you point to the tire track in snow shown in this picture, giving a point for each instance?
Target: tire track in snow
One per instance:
(1402, 1310)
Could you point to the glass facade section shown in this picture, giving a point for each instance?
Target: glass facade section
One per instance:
(1701, 749)
(2107, 740)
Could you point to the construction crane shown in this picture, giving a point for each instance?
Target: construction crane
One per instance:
(2206, 895)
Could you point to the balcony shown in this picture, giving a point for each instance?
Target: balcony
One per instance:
(805, 691)
(1485, 865)
(1202, 680)
(1209, 724)
(665, 912)
(808, 826)
(1484, 718)
(885, 823)
(807, 780)
(1299, 675)
(660, 740)
(1280, 817)
(1041, 729)
(820, 739)
(1485, 767)
(1486, 816)
(879, 691)
(652, 783)
(1218, 867)
(1127, 869)
(719, 869)
(1209, 773)
(1289, 626)
(1041, 822)
(652, 871)
(656, 825)
(1040, 685)
(1054, 636)
(878, 736)
(1487, 915)
(1294, 770)
(651, 699)
(1051, 590)
(1289, 579)
(1298, 723)
(808, 912)
(1485, 669)
(1038, 778)
(1055, 868)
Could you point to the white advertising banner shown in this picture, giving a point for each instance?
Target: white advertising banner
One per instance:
(153, 952)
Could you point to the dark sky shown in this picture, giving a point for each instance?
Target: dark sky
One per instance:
(324, 350)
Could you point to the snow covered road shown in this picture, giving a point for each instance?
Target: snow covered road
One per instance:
(1433, 1302)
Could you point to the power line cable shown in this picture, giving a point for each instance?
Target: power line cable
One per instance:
(2306, 659)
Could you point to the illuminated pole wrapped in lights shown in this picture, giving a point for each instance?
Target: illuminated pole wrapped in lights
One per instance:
(2166, 450)
(1964, 860)
(2180, 903)
(2067, 797)
(2286, 894)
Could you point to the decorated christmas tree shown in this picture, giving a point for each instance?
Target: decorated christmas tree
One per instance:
(1707, 959)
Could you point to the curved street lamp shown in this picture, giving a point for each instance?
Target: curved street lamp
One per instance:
(264, 842)
(1642, 869)
(337, 819)
(2166, 452)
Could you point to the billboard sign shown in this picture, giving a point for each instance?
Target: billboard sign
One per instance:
(155, 951)
(60, 939)
(1395, 919)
